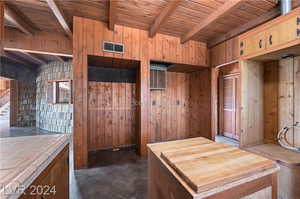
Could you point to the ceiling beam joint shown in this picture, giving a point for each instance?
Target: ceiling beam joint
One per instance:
(163, 16)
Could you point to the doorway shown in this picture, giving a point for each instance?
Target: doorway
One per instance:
(4, 104)
(229, 104)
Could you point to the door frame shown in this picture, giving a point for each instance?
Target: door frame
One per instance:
(236, 105)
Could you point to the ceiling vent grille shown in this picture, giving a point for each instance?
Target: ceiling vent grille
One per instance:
(113, 47)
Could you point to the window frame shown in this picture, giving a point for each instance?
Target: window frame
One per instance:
(55, 90)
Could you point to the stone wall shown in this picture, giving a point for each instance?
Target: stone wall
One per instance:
(26, 112)
(53, 117)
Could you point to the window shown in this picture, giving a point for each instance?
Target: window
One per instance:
(59, 92)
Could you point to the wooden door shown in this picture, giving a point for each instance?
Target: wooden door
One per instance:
(229, 103)
(282, 33)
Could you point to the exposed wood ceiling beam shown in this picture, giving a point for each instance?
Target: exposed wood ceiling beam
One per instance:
(60, 17)
(245, 27)
(59, 58)
(1, 28)
(217, 14)
(163, 16)
(48, 43)
(14, 18)
(112, 14)
(34, 58)
(12, 56)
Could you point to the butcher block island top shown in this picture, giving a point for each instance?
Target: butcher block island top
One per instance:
(204, 167)
(23, 159)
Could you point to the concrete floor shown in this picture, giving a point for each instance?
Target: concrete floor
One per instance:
(7, 131)
(228, 141)
(112, 175)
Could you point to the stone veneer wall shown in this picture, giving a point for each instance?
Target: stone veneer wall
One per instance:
(26, 113)
(53, 117)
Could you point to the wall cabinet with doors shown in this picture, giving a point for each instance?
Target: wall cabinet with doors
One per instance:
(225, 52)
(277, 34)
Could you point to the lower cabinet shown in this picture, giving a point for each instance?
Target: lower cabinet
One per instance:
(53, 182)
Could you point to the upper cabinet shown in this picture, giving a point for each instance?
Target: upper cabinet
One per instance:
(282, 32)
(224, 52)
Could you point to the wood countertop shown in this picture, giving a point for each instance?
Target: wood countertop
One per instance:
(22, 159)
(277, 153)
(204, 167)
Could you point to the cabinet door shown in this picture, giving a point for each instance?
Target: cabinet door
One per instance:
(252, 44)
(281, 33)
(218, 54)
(231, 50)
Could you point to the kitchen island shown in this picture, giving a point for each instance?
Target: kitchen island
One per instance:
(34, 166)
(200, 168)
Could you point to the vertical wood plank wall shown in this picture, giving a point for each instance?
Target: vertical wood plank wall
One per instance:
(170, 109)
(111, 115)
(252, 120)
(271, 96)
(297, 99)
(87, 40)
(200, 104)
(1, 27)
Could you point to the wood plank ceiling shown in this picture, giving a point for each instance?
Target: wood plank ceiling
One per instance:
(182, 17)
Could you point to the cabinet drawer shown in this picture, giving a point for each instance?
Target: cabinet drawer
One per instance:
(283, 32)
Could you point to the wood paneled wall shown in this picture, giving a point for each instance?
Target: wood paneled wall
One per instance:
(42, 42)
(252, 103)
(88, 37)
(200, 104)
(271, 96)
(170, 109)
(111, 115)
(1, 27)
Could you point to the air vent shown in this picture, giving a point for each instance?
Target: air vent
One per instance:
(113, 47)
(158, 76)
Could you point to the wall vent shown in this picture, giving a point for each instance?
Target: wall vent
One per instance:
(113, 47)
(158, 76)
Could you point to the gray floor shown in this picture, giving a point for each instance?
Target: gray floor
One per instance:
(112, 175)
(227, 141)
(7, 131)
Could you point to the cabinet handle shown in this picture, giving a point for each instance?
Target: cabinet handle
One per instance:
(241, 44)
(298, 20)
(260, 43)
(241, 52)
(298, 32)
(270, 39)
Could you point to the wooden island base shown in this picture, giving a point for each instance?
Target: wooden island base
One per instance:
(165, 182)
(53, 182)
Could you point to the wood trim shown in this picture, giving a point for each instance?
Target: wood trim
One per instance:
(248, 188)
(60, 17)
(228, 63)
(13, 17)
(112, 14)
(163, 16)
(1, 28)
(245, 27)
(217, 14)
